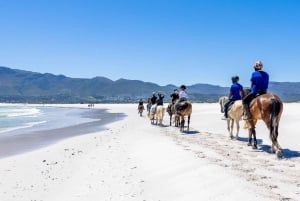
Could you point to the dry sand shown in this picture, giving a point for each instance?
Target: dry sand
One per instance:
(132, 160)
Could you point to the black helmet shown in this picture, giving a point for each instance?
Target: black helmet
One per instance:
(235, 78)
(183, 87)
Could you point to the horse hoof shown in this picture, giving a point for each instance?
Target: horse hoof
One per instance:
(249, 144)
(254, 147)
(279, 154)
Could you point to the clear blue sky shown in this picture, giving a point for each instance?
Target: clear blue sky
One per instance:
(165, 42)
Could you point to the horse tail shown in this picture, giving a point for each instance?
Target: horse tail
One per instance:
(275, 109)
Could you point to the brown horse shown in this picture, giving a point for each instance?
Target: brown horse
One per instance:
(184, 109)
(171, 111)
(141, 109)
(267, 107)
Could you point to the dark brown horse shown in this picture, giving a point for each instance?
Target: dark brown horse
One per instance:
(172, 112)
(267, 107)
(141, 109)
(184, 109)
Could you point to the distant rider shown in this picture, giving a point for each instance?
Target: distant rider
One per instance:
(160, 100)
(183, 96)
(174, 96)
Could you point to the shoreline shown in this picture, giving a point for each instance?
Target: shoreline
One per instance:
(18, 142)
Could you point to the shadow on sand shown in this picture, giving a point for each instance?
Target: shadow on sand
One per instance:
(190, 132)
(287, 153)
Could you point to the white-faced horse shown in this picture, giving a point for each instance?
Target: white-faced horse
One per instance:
(235, 113)
(222, 101)
(156, 114)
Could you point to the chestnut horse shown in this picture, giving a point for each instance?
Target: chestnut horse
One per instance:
(267, 107)
(184, 109)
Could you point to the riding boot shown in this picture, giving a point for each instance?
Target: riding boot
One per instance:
(247, 114)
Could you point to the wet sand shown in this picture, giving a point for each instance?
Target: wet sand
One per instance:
(11, 144)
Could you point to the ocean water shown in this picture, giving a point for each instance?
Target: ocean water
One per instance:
(15, 118)
(25, 128)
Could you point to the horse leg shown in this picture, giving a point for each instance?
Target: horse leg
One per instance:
(171, 119)
(177, 120)
(249, 137)
(228, 127)
(231, 128)
(189, 118)
(279, 149)
(182, 124)
(237, 121)
(254, 139)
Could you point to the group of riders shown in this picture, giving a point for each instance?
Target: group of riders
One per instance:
(178, 96)
(259, 85)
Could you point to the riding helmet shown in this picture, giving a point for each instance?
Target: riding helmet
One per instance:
(183, 87)
(235, 78)
(258, 65)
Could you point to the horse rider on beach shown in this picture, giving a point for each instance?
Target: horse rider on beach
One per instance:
(259, 85)
(160, 100)
(174, 96)
(153, 98)
(183, 96)
(236, 93)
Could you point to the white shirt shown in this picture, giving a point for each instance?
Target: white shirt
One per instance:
(183, 94)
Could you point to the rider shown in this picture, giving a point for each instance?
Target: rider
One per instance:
(160, 100)
(141, 102)
(153, 103)
(259, 85)
(183, 96)
(236, 93)
(153, 98)
(148, 104)
(174, 96)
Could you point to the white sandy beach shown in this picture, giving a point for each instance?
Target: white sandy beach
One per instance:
(133, 160)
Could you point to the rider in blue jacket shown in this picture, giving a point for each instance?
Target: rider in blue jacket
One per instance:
(236, 93)
(259, 85)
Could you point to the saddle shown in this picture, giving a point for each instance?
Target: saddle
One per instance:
(230, 105)
(182, 106)
(261, 92)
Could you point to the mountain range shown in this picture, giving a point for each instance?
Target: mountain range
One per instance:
(33, 87)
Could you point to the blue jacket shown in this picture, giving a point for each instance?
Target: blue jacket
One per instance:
(235, 90)
(260, 81)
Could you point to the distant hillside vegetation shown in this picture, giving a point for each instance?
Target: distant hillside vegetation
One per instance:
(31, 87)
